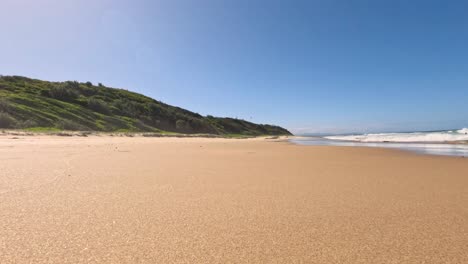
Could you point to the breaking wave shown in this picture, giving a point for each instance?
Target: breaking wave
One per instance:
(440, 136)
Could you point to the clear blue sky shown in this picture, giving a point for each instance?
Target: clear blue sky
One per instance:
(311, 66)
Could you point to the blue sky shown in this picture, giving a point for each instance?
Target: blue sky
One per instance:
(311, 66)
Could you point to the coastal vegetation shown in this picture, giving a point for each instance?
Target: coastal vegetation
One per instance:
(38, 105)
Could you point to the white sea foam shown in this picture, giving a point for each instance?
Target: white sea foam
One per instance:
(443, 136)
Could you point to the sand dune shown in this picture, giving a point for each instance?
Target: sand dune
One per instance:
(195, 200)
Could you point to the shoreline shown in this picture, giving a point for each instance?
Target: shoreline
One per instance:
(287, 139)
(455, 149)
(461, 142)
(68, 133)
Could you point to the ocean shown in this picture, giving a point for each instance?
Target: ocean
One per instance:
(448, 142)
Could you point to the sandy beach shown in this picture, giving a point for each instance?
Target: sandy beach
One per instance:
(199, 200)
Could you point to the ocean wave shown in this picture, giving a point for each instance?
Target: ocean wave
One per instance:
(443, 136)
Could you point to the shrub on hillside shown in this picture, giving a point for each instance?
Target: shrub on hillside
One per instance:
(128, 108)
(183, 125)
(140, 125)
(4, 106)
(98, 105)
(63, 92)
(70, 125)
(88, 91)
(114, 123)
(155, 109)
(72, 85)
(6, 120)
(27, 124)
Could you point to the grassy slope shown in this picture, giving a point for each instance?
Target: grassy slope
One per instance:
(40, 105)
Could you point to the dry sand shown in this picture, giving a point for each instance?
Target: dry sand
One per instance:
(166, 200)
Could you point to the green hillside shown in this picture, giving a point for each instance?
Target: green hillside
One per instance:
(41, 105)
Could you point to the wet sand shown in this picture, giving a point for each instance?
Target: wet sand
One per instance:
(195, 200)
